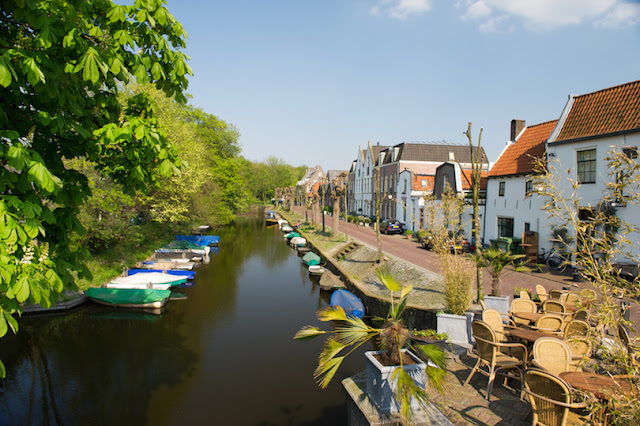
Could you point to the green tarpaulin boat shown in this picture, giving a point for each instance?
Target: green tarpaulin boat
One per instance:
(311, 259)
(129, 297)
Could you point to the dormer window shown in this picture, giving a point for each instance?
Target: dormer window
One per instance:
(452, 156)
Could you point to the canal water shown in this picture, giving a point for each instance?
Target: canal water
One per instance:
(223, 356)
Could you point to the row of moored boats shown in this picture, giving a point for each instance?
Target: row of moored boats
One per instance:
(328, 280)
(150, 284)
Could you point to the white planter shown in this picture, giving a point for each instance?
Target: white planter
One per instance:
(499, 303)
(381, 389)
(456, 326)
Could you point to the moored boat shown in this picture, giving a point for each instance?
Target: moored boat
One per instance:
(286, 228)
(180, 273)
(156, 280)
(298, 242)
(311, 259)
(270, 218)
(349, 302)
(316, 270)
(129, 297)
(200, 240)
(330, 281)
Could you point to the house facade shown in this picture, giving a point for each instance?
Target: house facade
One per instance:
(590, 128)
(308, 183)
(513, 207)
(361, 180)
(412, 189)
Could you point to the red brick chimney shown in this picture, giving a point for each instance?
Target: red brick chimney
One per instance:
(516, 128)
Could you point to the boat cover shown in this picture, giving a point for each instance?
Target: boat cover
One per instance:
(349, 302)
(291, 235)
(330, 281)
(127, 296)
(200, 240)
(152, 277)
(187, 274)
(298, 241)
(311, 259)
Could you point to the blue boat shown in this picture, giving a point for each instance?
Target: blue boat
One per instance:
(349, 302)
(200, 240)
(188, 274)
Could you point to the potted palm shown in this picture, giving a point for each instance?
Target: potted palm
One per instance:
(397, 374)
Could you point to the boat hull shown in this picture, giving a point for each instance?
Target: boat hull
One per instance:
(129, 298)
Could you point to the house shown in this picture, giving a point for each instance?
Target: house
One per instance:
(360, 186)
(421, 159)
(305, 185)
(513, 207)
(412, 189)
(589, 129)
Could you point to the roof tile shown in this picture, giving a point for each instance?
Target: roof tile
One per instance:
(519, 157)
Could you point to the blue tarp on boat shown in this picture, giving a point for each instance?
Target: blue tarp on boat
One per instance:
(349, 302)
(188, 274)
(200, 240)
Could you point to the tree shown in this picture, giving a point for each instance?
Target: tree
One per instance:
(62, 65)
(380, 193)
(338, 187)
(496, 260)
(477, 157)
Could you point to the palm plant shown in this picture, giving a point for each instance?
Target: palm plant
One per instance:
(496, 260)
(393, 336)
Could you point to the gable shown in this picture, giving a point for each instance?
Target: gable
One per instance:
(520, 157)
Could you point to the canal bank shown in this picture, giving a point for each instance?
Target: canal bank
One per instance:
(356, 263)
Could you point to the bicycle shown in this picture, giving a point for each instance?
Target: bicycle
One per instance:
(554, 259)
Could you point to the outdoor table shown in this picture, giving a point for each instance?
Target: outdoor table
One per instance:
(528, 335)
(528, 316)
(602, 387)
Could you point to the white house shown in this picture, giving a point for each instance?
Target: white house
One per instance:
(361, 180)
(512, 206)
(411, 190)
(590, 127)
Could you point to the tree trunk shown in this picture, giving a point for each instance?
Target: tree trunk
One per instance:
(336, 216)
(495, 286)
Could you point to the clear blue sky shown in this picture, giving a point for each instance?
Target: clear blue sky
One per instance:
(309, 81)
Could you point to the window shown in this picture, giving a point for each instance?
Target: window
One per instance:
(405, 187)
(630, 153)
(528, 188)
(527, 227)
(501, 189)
(587, 166)
(505, 227)
(423, 183)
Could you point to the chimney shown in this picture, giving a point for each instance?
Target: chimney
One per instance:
(516, 128)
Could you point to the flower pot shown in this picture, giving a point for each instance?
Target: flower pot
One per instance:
(456, 326)
(381, 389)
(499, 303)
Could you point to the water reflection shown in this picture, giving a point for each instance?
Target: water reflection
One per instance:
(223, 356)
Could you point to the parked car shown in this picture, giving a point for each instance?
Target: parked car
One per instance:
(390, 226)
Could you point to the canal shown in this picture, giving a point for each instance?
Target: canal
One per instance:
(223, 356)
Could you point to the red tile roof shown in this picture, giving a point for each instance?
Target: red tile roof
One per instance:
(519, 157)
(466, 185)
(607, 111)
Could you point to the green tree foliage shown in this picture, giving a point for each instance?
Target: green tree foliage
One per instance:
(62, 64)
(264, 177)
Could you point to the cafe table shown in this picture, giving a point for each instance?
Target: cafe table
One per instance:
(601, 386)
(532, 317)
(530, 336)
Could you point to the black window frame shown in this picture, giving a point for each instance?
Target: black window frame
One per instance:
(505, 223)
(586, 168)
(528, 188)
(501, 188)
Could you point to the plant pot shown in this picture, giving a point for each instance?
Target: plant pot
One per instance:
(456, 326)
(499, 303)
(381, 389)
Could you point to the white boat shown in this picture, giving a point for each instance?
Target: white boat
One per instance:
(151, 280)
(281, 222)
(298, 242)
(316, 270)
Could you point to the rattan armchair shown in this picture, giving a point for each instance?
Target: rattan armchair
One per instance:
(571, 299)
(496, 321)
(549, 323)
(541, 292)
(555, 294)
(522, 305)
(577, 328)
(551, 400)
(553, 355)
(556, 307)
(580, 348)
(489, 353)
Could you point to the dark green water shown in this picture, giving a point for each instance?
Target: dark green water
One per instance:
(224, 356)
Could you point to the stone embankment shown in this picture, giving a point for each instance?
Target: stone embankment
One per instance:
(357, 264)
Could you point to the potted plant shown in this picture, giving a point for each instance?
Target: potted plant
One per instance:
(408, 233)
(457, 279)
(396, 375)
(495, 260)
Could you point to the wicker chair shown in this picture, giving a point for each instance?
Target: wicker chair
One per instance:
(489, 353)
(542, 293)
(556, 307)
(580, 348)
(553, 355)
(582, 315)
(631, 345)
(549, 323)
(555, 294)
(577, 328)
(571, 299)
(551, 400)
(522, 305)
(496, 321)
(524, 295)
